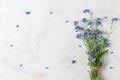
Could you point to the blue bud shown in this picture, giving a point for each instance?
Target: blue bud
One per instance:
(86, 11)
(84, 20)
(114, 19)
(77, 28)
(94, 59)
(75, 23)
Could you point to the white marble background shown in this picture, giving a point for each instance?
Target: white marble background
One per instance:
(44, 45)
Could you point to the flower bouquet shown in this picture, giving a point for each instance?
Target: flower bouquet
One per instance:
(96, 40)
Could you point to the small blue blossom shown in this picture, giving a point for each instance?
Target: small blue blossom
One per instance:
(27, 12)
(98, 31)
(86, 11)
(51, 12)
(90, 51)
(105, 17)
(17, 26)
(94, 59)
(84, 20)
(21, 65)
(66, 21)
(110, 67)
(78, 36)
(97, 41)
(73, 61)
(90, 23)
(46, 67)
(97, 48)
(83, 33)
(79, 46)
(107, 44)
(114, 19)
(98, 21)
(75, 23)
(111, 52)
(77, 28)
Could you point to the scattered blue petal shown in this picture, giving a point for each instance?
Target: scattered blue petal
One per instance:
(94, 59)
(77, 28)
(79, 46)
(110, 67)
(86, 11)
(111, 52)
(17, 26)
(27, 12)
(66, 21)
(114, 19)
(21, 65)
(73, 61)
(84, 20)
(11, 45)
(75, 23)
(105, 17)
(46, 67)
(51, 12)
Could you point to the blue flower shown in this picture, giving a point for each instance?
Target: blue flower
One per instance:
(94, 59)
(90, 23)
(82, 34)
(107, 44)
(79, 36)
(84, 20)
(77, 28)
(97, 41)
(91, 57)
(97, 48)
(98, 21)
(90, 51)
(98, 31)
(114, 19)
(27, 12)
(75, 23)
(73, 61)
(86, 11)
(105, 17)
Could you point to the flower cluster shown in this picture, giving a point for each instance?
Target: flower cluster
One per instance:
(95, 38)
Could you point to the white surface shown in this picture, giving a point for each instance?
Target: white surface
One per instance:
(44, 39)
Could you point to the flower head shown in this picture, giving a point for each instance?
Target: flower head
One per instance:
(78, 28)
(114, 19)
(84, 20)
(86, 11)
(75, 23)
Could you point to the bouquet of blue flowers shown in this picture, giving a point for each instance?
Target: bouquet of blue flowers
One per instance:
(96, 40)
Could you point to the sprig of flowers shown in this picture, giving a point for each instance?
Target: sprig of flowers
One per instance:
(96, 40)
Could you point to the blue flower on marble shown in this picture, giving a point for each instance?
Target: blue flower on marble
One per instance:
(111, 52)
(78, 28)
(110, 67)
(66, 21)
(21, 65)
(17, 26)
(84, 20)
(114, 19)
(46, 67)
(79, 46)
(105, 17)
(51, 12)
(73, 61)
(86, 11)
(75, 23)
(27, 12)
